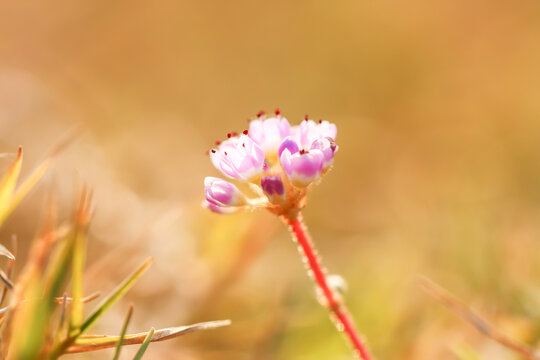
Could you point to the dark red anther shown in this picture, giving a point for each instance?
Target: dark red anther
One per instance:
(213, 151)
(277, 112)
(306, 117)
(320, 121)
(302, 152)
(243, 145)
(229, 135)
(245, 132)
(225, 153)
(260, 113)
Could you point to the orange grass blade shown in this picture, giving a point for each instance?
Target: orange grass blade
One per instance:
(84, 300)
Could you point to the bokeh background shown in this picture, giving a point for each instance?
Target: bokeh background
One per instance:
(438, 174)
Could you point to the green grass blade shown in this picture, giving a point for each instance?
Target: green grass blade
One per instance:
(58, 270)
(115, 296)
(29, 324)
(144, 345)
(77, 280)
(82, 219)
(9, 197)
(100, 310)
(122, 334)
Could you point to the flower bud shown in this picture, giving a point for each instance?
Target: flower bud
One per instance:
(221, 194)
(273, 188)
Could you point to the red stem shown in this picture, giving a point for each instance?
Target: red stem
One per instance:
(333, 301)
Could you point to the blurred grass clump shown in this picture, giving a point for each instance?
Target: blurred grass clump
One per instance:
(41, 321)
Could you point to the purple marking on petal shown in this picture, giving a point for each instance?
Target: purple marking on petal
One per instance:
(289, 144)
(285, 160)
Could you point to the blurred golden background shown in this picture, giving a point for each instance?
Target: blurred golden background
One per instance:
(438, 111)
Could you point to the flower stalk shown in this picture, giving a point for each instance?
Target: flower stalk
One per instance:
(333, 300)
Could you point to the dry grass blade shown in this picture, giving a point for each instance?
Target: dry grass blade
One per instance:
(144, 345)
(5, 252)
(467, 314)
(6, 280)
(9, 267)
(60, 328)
(61, 300)
(84, 300)
(84, 344)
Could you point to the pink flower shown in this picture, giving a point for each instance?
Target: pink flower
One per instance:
(238, 157)
(269, 132)
(302, 167)
(308, 131)
(222, 196)
(277, 161)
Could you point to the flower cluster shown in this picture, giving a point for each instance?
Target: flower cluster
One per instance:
(276, 160)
